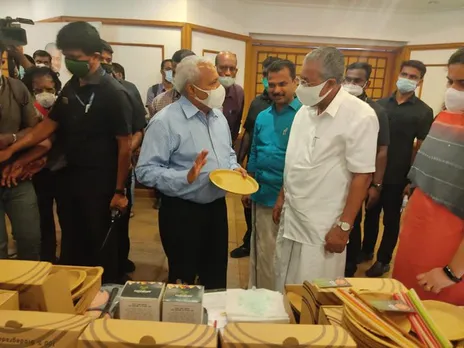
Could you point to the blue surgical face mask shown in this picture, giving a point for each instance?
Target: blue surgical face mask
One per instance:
(405, 85)
(168, 74)
(265, 83)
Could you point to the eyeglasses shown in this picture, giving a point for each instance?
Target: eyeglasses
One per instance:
(224, 68)
(302, 82)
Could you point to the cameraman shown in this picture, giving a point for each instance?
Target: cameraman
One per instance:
(19, 202)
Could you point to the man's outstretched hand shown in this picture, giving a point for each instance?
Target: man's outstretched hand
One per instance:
(199, 163)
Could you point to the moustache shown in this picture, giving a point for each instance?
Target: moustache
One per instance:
(278, 95)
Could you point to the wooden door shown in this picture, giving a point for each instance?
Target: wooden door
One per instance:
(383, 64)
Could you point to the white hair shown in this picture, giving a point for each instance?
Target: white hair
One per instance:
(333, 63)
(187, 71)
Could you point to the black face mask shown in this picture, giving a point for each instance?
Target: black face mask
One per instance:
(107, 67)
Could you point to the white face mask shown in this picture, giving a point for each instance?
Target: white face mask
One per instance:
(226, 81)
(353, 89)
(454, 100)
(309, 95)
(46, 99)
(215, 97)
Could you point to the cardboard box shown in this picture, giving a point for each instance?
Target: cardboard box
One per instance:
(281, 335)
(141, 301)
(330, 315)
(38, 289)
(9, 300)
(183, 304)
(37, 329)
(113, 333)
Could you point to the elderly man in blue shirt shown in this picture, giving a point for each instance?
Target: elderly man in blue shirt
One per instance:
(183, 144)
(266, 163)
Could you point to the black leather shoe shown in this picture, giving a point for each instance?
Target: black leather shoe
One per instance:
(378, 269)
(240, 252)
(363, 257)
(129, 266)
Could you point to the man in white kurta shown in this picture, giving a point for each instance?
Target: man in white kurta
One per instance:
(329, 161)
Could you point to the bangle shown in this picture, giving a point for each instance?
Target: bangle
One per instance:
(450, 274)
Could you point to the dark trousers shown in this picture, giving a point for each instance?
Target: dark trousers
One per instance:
(195, 240)
(85, 220)
(390, 201)
(45, 189)
(353, 248)
(122, 226)
(247, 236)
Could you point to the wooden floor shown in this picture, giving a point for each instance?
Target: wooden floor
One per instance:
(148, 254)
(147, 251)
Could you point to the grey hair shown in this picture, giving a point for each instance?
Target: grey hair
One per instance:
(187, 71)
(332, 60)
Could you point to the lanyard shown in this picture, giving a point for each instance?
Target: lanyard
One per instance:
(87, 106)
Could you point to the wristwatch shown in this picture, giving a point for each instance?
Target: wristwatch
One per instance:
(344, 226)
(377, 186)
(450, 274)
(120, 192)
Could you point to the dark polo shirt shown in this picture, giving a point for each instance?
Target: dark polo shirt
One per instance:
(408, 121)
(88, 139)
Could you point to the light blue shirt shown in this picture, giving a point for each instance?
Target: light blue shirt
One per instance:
(173, 140)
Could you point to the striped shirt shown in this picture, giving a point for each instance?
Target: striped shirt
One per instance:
(439, 166)
(164, 99)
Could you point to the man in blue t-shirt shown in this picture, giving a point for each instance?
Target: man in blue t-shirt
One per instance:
(266, 164)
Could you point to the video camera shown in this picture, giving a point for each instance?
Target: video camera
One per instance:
(11, 33)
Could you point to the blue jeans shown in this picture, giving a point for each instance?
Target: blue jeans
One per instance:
(20, 204)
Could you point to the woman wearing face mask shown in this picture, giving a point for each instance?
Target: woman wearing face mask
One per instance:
(43, 83)
(430, 255)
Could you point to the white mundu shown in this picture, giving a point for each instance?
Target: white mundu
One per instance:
(323, 153)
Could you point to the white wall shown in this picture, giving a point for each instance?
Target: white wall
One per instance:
(201, 41)
(383, 24)
(142, 64)
(225, 15)
(434, 28)
(167, 10)
(434, 86)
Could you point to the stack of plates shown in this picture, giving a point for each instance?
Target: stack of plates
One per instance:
(449, 319)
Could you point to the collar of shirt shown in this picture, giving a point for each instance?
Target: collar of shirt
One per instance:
(191, 110)
(333, 107)
(295, 104)
(412, 99)
(93, 79)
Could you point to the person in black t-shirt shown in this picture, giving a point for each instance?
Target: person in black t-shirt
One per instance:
(138, 126)
(356, 82)
(410, 120)
(260, 103)
(92, 120)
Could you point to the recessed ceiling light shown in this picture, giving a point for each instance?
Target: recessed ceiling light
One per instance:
(433, 2)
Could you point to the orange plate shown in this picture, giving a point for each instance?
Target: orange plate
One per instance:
(233, 182)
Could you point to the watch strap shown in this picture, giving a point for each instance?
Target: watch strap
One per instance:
(120, 192)
(450, 274)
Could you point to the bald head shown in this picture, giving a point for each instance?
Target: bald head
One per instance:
(226, 64)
